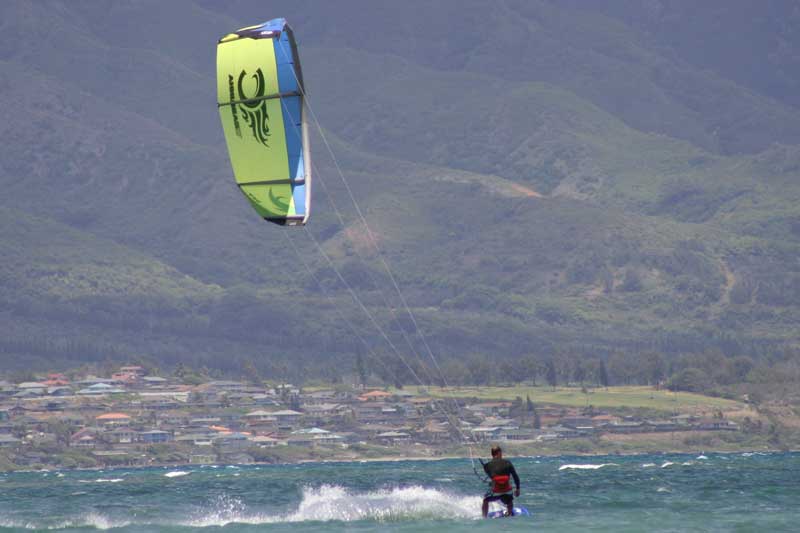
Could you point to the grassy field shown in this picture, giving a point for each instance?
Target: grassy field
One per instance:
(612, 397)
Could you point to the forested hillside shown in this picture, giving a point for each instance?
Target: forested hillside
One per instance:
(559, 182)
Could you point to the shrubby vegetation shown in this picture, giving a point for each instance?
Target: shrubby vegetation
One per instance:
(663, 252)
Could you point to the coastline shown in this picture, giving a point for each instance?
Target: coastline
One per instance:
(404, 458)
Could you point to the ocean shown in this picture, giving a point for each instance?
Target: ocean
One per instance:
(711, 492)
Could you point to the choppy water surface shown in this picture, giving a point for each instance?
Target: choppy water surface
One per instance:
(711, 492)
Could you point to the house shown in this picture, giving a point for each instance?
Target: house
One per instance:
(154, 382)
(376, 395)
(576, 422)
(200, 440)
(319, 397)
(204, 423)
(98, 389)
(259, 415)
(684, 419)
(517, 434)
(303, 440)
(93, 380)
(486, 433)
(56, 380)
(227, 443)
(326, 412)
(393, 438)
(155, 436)
(120, 435)
(238, 459)
(435, 432)
(59, 391)
(319, 436)
(264, 399)
(287, 418)
(228, 386)
(113, 419)
(85, 438)
(132, 369)
(604, 420)
(33, 387)
(490, 409)
(262, 441)
(717, 424)
(125, 378)
(9, 441)
(6, 389)
(563, 432)
(370, 411)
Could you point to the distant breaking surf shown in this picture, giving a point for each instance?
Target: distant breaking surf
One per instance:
(584, 467)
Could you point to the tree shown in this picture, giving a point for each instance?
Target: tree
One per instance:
(741, 366)
(579, 373)
(602, 374)
(531, 409)
(251, 373)
(516, 407)
(180, 372)
(550, 374)
(529, 368)
(361, 369)
(622, 367)
(689, 379)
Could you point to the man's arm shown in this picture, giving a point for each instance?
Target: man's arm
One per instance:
(485, 467)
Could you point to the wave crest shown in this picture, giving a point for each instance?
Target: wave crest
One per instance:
(335, 503)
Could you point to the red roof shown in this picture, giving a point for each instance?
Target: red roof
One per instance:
(373, 395)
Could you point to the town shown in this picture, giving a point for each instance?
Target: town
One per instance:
(133, 418)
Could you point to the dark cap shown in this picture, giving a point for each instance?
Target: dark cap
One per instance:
(496, 450)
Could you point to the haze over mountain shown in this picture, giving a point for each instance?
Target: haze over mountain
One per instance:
(541, 176)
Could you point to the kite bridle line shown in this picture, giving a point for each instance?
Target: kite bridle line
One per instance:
(446, 387)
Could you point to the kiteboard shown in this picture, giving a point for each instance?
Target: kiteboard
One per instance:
(500, 511)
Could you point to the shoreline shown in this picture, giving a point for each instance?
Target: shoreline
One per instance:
(398, 459)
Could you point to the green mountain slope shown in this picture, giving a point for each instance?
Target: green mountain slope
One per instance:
(597, 53)
(560, 183)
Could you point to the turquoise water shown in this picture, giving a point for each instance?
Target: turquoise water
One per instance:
(711, 492)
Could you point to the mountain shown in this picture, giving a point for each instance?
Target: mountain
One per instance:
(539, 177)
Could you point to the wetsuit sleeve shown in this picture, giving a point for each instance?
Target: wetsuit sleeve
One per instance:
(486, 468)
(514, 475)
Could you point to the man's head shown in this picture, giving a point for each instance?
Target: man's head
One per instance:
(497, 452)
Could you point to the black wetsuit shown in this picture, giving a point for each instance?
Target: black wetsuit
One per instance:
(501, 467)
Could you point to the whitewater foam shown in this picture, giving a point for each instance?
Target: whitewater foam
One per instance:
(89, 520)
(585, 467)
(335, 503)
(177, 473)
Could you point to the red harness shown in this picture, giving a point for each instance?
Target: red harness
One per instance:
(501, 484)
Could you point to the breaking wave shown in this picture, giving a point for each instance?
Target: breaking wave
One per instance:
(335, 503)
(90, 520)
(318, 504)
(177, 473)
(584, 467)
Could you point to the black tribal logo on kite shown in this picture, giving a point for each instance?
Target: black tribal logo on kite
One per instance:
(254, 112)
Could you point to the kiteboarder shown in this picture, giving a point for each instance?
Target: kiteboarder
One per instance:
(500, 471)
